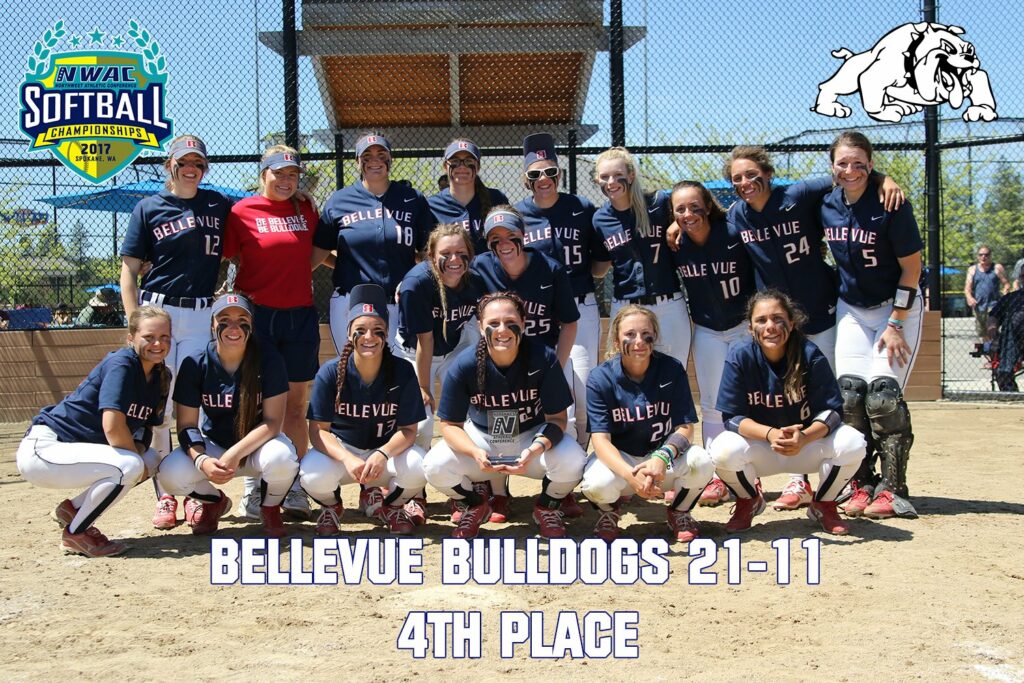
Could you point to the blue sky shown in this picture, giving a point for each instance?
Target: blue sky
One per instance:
(737, 67)
(748, 70)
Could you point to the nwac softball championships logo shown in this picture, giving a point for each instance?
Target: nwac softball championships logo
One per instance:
(95, 110)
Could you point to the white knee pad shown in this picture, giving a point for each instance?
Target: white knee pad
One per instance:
(849, 444)
(728, 452)
(697, 469)
(278, 460)
(565, 462)
(133, 467)
(409, 472)
(600, 484)
(315, 474)
(177, 474)
(439, 466)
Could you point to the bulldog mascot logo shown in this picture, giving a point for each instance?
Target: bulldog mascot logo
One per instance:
(911, 66)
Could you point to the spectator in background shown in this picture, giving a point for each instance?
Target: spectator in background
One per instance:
(5, 320)
(101, 311)
(62, 316)
(1006, 327)
(1018, 271)
(985, 282)
(442, 182)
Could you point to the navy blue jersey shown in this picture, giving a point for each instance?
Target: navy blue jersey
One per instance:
(376, 238)
(534, 385)
(718, 278)
(752, 387)
(117, 383)
(447, 209)
(182, 238)
(204, 383)
(545, 288)
(784, 243)
(639, 416)
(641, 266)
(866, 242)
(368, 415)
(420, 310)
(565, 232)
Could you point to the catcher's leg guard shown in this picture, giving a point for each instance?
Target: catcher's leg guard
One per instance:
(854, 391)
(890, 426)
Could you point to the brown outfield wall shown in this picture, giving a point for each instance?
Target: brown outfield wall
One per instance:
(38, 368)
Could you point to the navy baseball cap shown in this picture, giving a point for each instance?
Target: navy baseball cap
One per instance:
(187, 145)
(501, 218)
(367, 141)
(367, 300)
(276, 162)
(537, 147)
(229, 300)
(461, 146)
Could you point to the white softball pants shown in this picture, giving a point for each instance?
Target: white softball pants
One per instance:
(689, 473)
(106, 472)
(275, 462)
(858, 332)
(709, 351)
(835, 458)
(321, 476)
(562, 465)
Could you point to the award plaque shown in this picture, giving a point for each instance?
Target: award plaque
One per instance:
(503, 430)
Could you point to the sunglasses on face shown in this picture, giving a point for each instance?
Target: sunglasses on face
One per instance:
(468, 163)
(537, 173)
(984, 253)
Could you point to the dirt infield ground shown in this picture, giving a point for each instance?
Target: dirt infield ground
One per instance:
(929, 599)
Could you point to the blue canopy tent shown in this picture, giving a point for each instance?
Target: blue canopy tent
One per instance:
(123, 198)
(117, 199)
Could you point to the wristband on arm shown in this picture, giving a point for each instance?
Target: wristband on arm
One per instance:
(190, 437)
(830, 419)
(904, 299)
(551, 432)
(678, 442)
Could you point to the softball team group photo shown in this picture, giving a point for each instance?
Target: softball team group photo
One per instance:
(468, 340)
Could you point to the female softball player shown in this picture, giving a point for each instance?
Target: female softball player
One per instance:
(878, 253)
(642, 417)
(561, 226)
(180, 232)
(98, 436)
(271, 235)
(363, 419)
(377, 227)
(241, 392)
(436, 300)
(632, 225)
(466, 200)
(546, 290)
(781, 230)
(514, 393)
(719, 280)
(783, 413)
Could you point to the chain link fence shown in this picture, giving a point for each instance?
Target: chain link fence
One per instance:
(678, 83)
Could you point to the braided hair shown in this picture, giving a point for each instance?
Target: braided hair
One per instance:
(481, 346)
(446, 230)
(387, 367)
(793, 381)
